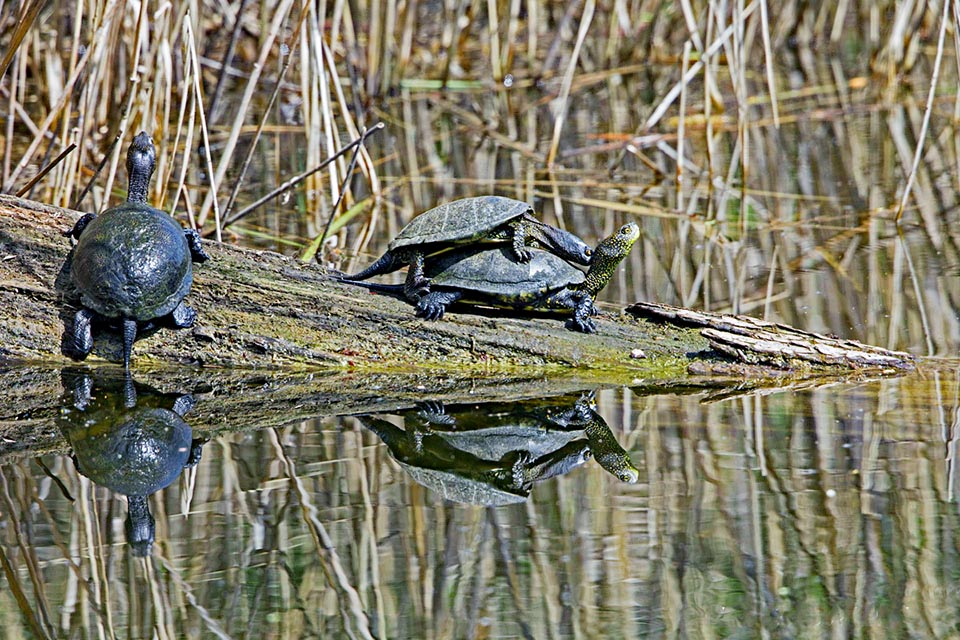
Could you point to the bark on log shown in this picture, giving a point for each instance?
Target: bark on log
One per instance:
(260, 309)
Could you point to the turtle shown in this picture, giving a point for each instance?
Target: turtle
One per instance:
(132, 265)
(492, 277)
(492, 454)
(132, 445)
(468, 221)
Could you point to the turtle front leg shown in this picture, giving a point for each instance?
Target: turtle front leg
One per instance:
(80, 225)
(521, 232)
(196, 248)
(432, 305)
(582, 310)
(79, 343)
(183, 316)
(416, 286)
(579, 302)
(196, 451)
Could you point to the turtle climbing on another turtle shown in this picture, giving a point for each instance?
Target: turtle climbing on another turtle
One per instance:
(132, 265)
(470, 221)
(492, 277)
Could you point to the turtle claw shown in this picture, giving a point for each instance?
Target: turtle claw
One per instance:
(429, 311)
(522, 254)
(583, 325)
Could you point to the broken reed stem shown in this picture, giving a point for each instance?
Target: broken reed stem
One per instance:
(303, 176)
(768, 58)
(681, 127)
(343, 188)
(227, 61)
(93, 179)
(37, 178)
(926, 114)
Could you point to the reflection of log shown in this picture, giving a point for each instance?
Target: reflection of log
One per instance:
(240, 399)
(259, 309)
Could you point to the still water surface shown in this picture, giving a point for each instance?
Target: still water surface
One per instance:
(807, 512)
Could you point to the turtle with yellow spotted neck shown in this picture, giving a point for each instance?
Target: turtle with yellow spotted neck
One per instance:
(546, 282)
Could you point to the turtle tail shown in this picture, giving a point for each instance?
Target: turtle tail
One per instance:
(395, 290)
(129, 335)
(387, 263)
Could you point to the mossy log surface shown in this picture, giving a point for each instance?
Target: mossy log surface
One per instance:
(259, 309)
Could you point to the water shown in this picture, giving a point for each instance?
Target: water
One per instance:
(806, 512)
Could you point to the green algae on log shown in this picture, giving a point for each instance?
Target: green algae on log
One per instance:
(260, 309)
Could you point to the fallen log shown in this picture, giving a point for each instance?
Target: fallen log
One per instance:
(259, 309)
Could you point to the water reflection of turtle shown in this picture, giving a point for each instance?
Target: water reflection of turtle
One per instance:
(492, 454)
(132, 443)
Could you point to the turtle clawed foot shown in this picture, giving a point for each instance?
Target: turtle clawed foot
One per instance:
(196, 247)
(583, 325)
(417, 289)
(183, 316)
(522, 254)
(78, 343)
(429, 311)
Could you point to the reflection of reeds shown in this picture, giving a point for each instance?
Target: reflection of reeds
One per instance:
(770, 511)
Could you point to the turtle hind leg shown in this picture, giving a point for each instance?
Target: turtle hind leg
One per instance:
(518, 243)
(80, 225)
(416, 285)
(432, 305)
(129, 335)
(79, 342)
(182, 317)
(196, 248)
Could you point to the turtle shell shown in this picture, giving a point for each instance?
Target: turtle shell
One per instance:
(494, 272)
(132, 261)
(458, 488)
(136, 453)
(460, 221)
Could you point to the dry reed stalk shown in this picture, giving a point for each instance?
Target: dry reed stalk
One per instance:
(944, 18)
(334, 570)
(560, 112)
(266, 112)
(226, 156)
(195, 71)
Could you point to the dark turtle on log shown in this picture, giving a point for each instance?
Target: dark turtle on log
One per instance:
(469, 221)
(492, 277)
(458, 454)
(132, 445)
(132, 265)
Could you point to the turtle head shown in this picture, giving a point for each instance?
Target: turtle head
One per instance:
(140, 526)
(607, 256)
(141, 159)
